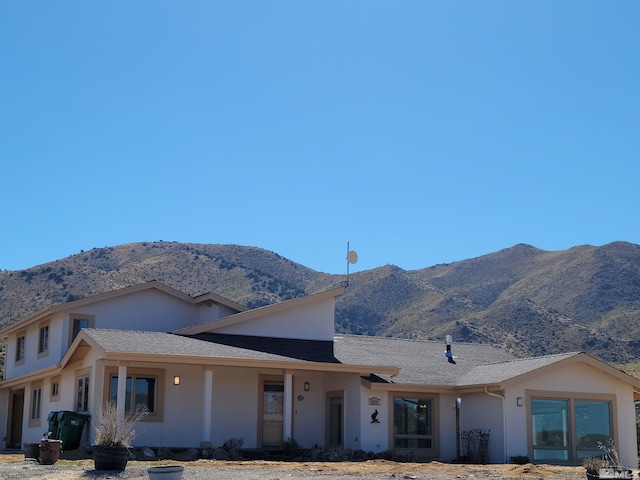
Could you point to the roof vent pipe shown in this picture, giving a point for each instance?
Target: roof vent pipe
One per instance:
(448, 353)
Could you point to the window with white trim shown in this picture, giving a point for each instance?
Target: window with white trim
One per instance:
(20, 348)
(35, 409)
(82, 394)
(43, 341)
(54, 390)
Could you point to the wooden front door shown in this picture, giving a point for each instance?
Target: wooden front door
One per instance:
(272, 414)
(335, 419)
(16, 414)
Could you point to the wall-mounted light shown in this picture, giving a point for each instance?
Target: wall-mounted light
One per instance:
(519, 401)
(176, 380)
(306, 386)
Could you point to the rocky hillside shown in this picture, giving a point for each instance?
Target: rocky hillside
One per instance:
(527, 300)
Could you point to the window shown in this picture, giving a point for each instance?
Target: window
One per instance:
(77, 323)
(141, 392)
(35, 410)
(412, 423)
(54, 392)
(593, 425)
(569, 429)
(550, 429)
(20, 349)
(43, 341)
(82, 394)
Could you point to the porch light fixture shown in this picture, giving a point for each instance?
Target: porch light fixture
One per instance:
(519, 401)
(176, 380)
(306, 386)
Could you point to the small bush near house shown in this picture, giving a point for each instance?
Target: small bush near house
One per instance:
(290, 447)
(520, 459)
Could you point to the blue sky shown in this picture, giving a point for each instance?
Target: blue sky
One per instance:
(421, 132)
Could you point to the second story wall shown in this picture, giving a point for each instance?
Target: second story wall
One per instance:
(43, 342)
(313, 321)
(37, 345)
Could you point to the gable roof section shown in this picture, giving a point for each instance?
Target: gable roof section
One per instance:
(420, 362)
(260, 312)
(500, 372)
(386, 363)
(153, 284)
(160, 347)
(517, 370)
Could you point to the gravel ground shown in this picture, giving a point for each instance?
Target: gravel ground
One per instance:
(374, 470)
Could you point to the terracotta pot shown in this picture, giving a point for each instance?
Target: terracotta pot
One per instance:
(165, 472)
(110, 458)
(49, 451)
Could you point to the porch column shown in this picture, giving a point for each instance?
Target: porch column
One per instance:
(208, 404)
(122, 391)
(288, 404)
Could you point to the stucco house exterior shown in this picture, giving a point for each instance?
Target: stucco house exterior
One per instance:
(209, 370)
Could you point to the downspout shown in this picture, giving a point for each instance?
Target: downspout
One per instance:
(504, 418)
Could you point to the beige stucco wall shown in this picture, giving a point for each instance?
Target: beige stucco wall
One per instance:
(375, 436)
(32, 336)
(309, 322)
(484, 412)
(579, 380)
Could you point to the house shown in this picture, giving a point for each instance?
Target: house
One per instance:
(210, 370)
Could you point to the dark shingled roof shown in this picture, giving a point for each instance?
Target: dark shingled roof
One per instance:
(420, 362)
(308, 350)
(160, 343)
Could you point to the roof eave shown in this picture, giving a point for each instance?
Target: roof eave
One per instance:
(250, 362)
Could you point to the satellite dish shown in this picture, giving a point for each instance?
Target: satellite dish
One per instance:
(352, 256)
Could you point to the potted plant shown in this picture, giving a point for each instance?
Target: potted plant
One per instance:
(592, 465)
(114, 436)
(613, 467)
(607, 466)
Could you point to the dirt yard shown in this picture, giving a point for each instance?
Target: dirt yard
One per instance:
(15, 467)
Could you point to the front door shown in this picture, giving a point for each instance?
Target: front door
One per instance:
(272, 414)
(15, 417)
(335, 419)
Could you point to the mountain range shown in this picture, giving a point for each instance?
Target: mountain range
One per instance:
(526, 300)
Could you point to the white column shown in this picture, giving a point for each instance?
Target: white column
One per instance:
(208, 405)
(288, 403)
(122, 391)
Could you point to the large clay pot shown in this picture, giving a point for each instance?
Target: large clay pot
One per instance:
(165, 472)
(49, 451)
(110, 458)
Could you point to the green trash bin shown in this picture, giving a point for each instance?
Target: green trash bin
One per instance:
(70, 425)
(52, 418)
